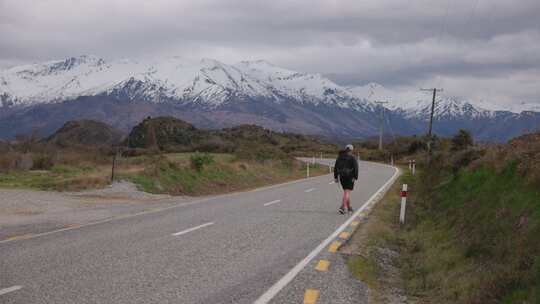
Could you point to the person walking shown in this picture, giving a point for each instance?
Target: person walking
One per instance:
(346, 172)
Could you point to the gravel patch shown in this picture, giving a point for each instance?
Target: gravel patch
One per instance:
(28, 211)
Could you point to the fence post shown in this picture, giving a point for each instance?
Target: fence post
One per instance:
(410, 165)
(392, 160)
(413, 167)
(403, 204)
(329, 169)
(307, 170)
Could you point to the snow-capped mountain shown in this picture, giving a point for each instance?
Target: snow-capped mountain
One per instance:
(206, 82)
(210, 94)
(417, 104)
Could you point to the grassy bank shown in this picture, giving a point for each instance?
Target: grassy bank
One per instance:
(173, 173)
(475, 239)
(472, 233)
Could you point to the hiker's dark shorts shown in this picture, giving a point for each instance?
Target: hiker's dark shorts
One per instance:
(347, 183)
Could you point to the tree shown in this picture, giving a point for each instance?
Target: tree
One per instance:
(462, 140)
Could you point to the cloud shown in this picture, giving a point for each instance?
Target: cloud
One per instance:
(396, 43)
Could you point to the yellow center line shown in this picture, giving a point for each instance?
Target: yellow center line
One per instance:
(334, 246)
(19, 237)
(344, 235)
(322, 265)
(311, 296)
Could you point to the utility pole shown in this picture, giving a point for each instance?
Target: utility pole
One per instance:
(431, 116)
(381, 121)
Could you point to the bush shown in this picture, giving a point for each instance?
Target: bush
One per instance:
(8, 161)
(42, 162)
(199, 160)
(462, 140)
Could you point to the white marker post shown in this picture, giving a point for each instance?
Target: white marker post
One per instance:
(410, 165)
(413, 167)
(307, 170)
(403, 204)
(392, 160)
(313, 161)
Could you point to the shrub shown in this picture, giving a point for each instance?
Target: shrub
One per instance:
(199, 160)
(8, 161)
(462, 140)
(42, 162)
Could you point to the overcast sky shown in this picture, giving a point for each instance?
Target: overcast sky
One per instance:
(481, 49)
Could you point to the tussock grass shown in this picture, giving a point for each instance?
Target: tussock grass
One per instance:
(174, 174)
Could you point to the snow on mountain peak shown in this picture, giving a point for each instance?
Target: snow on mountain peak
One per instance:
(416, 103)
(207, 81)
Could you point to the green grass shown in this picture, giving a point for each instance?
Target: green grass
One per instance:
(478, 242)
(171, 173)
(174, 174)
(60, 178)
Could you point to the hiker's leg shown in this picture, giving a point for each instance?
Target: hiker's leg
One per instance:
(346, 198)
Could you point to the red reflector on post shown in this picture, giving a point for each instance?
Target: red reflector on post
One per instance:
(403, 193)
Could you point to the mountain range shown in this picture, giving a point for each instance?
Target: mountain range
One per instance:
(211, 94)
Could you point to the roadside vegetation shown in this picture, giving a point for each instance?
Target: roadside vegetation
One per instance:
(160, 155)
(473, 228)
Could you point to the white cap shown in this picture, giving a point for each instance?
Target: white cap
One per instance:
(349, 147)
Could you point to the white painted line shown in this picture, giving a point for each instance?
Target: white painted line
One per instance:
(309, 190)
(193, 229)
(331, 183)
(272, 202)
(10, 289)
(126, 216)
(279, 285)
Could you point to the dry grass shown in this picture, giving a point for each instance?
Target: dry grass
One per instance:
(374, 250)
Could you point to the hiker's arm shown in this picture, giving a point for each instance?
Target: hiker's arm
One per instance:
(355, 168)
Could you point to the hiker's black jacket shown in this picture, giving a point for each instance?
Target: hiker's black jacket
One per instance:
(347, 161)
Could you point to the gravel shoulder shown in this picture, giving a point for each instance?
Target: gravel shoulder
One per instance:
(24, 212)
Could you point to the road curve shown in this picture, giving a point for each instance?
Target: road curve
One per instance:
(226, 249)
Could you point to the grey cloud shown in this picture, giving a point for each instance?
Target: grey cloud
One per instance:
(389, 41)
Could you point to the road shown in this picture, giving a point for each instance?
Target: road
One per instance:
(233, 248)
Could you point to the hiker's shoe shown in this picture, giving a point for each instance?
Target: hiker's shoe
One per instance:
(351, 210)
(341, 210)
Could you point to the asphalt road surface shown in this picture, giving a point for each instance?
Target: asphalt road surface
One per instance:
(226, 249)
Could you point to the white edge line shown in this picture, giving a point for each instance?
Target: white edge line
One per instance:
(331, 183)
(310, 189)
(9, 289)
(193, 229)
(272, 202)
(279, 285)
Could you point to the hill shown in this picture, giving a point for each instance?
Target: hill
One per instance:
(174, 135)
(85, 133)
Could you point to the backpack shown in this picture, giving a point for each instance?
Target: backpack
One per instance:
(343, 168)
